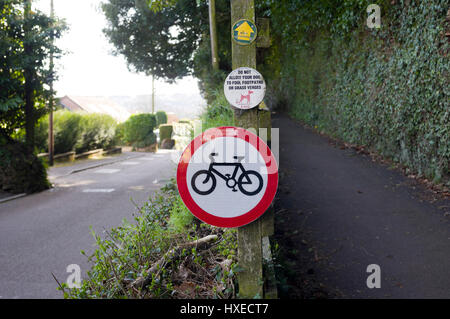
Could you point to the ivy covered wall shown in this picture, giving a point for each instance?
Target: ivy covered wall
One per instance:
(385, 88)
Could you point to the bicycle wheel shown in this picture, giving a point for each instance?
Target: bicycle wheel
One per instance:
(253, 179)
(201, 178)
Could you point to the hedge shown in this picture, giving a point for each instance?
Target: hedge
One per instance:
(385, 88)
(165, 132)
(138, 130)
(67, 130)
(74, 132)
(97, 131)
(161, 118)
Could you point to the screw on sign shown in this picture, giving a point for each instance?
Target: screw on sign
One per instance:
(227, 177)
(244, 88)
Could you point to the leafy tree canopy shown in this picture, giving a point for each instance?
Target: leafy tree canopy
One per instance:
(26, 41)
(159, 42)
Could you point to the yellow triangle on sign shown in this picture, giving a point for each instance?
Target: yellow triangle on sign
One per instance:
(244, 31)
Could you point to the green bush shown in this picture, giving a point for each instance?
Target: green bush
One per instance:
(41, 134)
(78, 132)
(21, 172)
(98, 131)
(67, 130)
(138, 130)
(161, 118)
(119, 134)
(218, 112)
(165, 132)
(147, 141)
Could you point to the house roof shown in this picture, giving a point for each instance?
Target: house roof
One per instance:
(171, 117)
(69, 104)
(95, 104)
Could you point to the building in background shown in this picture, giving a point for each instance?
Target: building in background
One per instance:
(95, 104)
(121, 107)
(171, 118)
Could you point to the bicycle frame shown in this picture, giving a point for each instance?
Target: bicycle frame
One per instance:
(233, 177)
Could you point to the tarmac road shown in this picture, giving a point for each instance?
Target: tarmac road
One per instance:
(43, 233)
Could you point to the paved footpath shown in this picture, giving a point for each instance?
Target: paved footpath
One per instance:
(338, 212)
(43, 233)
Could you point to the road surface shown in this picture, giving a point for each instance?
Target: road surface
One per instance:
(43, 233)
(339, 212)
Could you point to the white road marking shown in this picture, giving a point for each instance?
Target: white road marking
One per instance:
(98, 190)
(130, 163)
(137, 188)
(107, 171)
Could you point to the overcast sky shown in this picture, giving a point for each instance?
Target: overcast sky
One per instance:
(89, 68)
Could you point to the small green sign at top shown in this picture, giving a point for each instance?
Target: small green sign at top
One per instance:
(244, 32)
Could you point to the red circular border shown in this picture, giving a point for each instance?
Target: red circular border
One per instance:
(228, 222)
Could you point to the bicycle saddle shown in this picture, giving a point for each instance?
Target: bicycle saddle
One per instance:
(211, 157)
(239, 158)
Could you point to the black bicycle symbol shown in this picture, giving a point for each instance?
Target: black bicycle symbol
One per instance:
(247, 178)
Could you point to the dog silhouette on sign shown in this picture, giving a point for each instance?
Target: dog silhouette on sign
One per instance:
(246, 97)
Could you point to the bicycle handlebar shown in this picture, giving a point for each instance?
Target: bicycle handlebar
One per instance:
(239, 158)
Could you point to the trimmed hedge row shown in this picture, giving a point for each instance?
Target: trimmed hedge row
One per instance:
(138, 130)
(165, 132)
(97, 131)
(78, 132)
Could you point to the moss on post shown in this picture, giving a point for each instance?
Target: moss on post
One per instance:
(249, 237)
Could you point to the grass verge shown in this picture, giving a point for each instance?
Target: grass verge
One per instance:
(160, 256)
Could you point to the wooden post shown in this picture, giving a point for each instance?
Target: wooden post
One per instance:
(153, 94)
(28, 81)
(51, 142)
(268, 219)
(249, 237)
(213, 34)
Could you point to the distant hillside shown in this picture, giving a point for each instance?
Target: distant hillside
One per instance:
(184, 106)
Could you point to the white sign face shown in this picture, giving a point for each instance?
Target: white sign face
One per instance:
(244, 88)
(227, 199)
(227, 177)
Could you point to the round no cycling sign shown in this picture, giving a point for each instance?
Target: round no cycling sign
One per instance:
(227, 177)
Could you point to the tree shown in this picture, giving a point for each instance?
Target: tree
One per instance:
(26, 40)
(213, 35)
(171, 38)
(158, 42)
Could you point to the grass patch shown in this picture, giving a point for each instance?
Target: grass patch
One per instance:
(139, 250)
